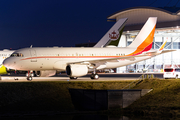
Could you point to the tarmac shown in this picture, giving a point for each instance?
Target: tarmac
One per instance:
(64, 77)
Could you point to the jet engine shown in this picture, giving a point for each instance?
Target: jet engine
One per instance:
(45, 73)
(74, 70)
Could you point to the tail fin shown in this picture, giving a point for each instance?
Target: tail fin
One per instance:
(144, 39)
(112, 37)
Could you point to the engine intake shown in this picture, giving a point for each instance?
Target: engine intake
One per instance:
(74, 70)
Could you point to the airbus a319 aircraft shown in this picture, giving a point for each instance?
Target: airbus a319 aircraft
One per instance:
(77, 61)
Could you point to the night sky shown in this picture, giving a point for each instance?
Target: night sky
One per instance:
(48, 23)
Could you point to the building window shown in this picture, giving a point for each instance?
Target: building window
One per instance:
(168, 45)
(157, 45)
(128, 43)
(153, 45)
(176, 45)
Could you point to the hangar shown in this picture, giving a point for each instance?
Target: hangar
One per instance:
(167, 28)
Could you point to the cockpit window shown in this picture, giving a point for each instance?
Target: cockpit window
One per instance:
(17, 55)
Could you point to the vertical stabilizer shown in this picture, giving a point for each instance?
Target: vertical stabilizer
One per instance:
(112, 37)
(145, 37)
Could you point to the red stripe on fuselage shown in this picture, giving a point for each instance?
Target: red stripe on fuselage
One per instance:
(145, 49)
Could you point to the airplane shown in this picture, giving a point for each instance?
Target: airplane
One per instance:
(3, 55)
(77, 61)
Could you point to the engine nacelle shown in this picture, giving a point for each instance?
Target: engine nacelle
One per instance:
(45, 73)
(74, 70)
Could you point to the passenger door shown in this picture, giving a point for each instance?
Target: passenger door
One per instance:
(33, 56)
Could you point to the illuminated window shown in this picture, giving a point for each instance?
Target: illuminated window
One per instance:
(17, 55)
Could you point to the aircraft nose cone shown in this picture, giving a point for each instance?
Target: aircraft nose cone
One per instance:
(7, 63)
(4, 63)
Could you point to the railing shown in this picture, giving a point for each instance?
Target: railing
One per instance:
(139, 80)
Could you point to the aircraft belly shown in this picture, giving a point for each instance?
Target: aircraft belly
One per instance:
(60, 65)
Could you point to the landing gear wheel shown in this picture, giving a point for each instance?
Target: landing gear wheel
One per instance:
(94, 76)
(176, 77)
(73, 77)
(29, 78)
(16, 79)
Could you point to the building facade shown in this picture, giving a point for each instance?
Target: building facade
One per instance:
(167, 28)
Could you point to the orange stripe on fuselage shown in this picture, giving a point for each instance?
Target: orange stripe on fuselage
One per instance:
(144, 46)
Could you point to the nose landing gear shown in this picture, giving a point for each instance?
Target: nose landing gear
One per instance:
(29, 78)
(29, 75)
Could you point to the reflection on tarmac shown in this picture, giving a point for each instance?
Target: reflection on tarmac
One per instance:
(63, 77)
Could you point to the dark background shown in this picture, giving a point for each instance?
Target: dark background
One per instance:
(48, 23)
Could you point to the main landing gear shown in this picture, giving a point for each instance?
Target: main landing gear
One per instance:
(73, 77)
(94, 75)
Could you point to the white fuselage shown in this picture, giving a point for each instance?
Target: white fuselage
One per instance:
(59, 58)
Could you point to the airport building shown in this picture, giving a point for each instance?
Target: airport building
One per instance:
(167, 28)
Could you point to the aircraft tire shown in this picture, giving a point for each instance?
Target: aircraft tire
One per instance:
(73, 77)
(29, 78)
(94, 76)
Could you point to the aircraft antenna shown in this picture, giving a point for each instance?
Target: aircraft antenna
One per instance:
(31, 46)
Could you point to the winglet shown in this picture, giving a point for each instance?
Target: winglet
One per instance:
(162, 46)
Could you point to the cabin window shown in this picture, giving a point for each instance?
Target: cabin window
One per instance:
(17, 55)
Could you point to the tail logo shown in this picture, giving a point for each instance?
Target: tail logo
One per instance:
(114, 35)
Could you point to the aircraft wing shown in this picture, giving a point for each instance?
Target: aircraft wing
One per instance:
(115, 59)
(108, 59)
